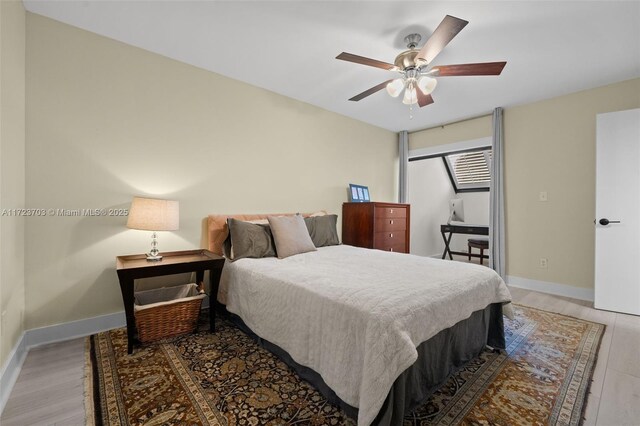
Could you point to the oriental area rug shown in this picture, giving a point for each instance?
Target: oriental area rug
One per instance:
(226, 378)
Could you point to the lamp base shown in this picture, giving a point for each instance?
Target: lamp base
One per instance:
(154, 253)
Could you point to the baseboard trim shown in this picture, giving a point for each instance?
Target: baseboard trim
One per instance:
(73, 329)
(51, 334)
(552, 288)
(11, 370)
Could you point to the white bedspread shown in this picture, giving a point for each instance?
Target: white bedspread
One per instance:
(354, 315)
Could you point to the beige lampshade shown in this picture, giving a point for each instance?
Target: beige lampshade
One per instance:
(149, 214)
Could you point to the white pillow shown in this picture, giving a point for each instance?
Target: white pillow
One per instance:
(290, 235)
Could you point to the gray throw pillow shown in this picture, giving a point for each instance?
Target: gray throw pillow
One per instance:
(248, 240)
(322, 230)
(290, 235)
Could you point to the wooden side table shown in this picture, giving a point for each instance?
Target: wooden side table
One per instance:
(136, 266)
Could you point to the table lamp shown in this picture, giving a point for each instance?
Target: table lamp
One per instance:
(149, 214)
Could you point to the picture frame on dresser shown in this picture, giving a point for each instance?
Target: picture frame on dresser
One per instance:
(358, 193)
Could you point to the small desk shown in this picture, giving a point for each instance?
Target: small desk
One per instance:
(136, 266)
(460, 229)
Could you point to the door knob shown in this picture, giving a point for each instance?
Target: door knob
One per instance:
(604, 221)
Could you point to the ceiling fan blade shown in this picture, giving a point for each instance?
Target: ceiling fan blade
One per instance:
(423, 100)
(365, 61)
(485, 68)
(446, 31)
(371, 91)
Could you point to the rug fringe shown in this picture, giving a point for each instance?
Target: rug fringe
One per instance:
(89, 408)
(583, 413)
(558, 313)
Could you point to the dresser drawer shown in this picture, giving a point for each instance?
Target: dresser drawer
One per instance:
(390, 212)
(382, 226)
(394, 247)
(390, 224)
(388, 238)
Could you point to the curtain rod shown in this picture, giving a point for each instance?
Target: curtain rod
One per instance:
(456, 122)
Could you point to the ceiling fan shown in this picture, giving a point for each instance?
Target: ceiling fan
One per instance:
(417, 74)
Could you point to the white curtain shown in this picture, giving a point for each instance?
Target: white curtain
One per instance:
(403, 157)
(496, 219)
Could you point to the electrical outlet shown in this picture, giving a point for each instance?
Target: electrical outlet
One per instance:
(544, 263)
(542, 196)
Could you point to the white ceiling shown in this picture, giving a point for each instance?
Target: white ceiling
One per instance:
(552, 47)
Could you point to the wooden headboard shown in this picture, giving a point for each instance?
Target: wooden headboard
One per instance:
(217, 229)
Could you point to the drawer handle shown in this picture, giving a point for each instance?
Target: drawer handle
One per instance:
(391, 249)
(390, 210)
(391, 222)
(390, 235)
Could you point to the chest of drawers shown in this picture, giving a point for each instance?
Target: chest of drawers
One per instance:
(383, 226)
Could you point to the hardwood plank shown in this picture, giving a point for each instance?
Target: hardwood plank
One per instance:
(48, 411)
(517, 293)
(620, 400)
(603, 317)
(573, 309)
(625, 347)
(632, 320)
(50, 387)
(57, 384)
(591, 413)
(542, 301)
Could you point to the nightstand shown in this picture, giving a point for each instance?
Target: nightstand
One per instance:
(136, 266)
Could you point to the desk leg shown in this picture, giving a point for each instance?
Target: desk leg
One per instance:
(446, 245)
(214, 283)
(126, 287)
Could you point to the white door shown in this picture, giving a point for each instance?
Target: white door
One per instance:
(617, 267)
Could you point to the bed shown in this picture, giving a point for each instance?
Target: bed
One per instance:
(376, 332)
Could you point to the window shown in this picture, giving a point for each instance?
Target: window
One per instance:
(469, 171)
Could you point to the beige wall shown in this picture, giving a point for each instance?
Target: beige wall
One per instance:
(12, 173)
(107, 121)
(549, 146)
(463, 131)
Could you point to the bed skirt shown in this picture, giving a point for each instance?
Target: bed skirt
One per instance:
(440, 356)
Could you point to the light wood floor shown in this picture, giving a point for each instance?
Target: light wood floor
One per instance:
(50, 386)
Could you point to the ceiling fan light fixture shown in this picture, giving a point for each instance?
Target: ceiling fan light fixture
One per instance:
(395, 87)
(427, 84)
(410, 96)
(416, 69)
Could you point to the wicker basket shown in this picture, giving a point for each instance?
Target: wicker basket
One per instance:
(167, 312)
